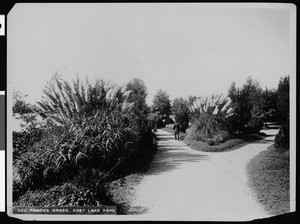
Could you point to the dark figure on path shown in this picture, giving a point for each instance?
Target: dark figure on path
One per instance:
(177, 129)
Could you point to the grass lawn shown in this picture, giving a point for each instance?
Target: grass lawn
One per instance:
(269, 178)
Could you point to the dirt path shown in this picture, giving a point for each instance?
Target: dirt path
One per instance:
(184, 184)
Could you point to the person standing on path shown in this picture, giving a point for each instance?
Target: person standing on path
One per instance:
(177, 129)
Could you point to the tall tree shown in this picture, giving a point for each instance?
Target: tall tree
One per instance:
(161, 103)
(180, 108)
(233, 92)
(284, 98)
(246, 101)
(138, 96)
(283, 137)
(268, 105)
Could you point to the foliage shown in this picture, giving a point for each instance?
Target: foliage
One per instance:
(100, 141)
(65, 102)
(30, 163)
(282, 139)
(246, 102)
(205, 147)
(139, 112)
(210, 118)
(25, 111)
(268, 105)
(19, 104)
(161, 103)
(154, 120)
(254, 125)
(91, 132)
(22, 141)
(32, 132)
(139, 93)
(233, 92)
(161, 109)
(191, 99)
(180, 108)
(283, 98)
(94, 142)
(67, 194)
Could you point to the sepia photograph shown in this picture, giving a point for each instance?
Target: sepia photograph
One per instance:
(151, 111)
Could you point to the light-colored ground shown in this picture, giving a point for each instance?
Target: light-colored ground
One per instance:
(184, 184)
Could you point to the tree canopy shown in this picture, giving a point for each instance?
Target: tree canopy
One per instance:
(180, 108)
(283, 98)
(161, 103)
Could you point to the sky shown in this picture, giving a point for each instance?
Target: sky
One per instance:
(184, 49)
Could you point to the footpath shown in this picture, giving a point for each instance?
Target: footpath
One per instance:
(185, 184)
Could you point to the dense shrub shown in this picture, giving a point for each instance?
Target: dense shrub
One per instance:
(157, 120)
(138, 115)
(162, 107)
(67, 194)
(64, 102)
(254, 125)
(282, 139)
(23, 140)
(19, 104)
(268, 105)
(180, 108)
(283, 102)
(29, 165)
(95, 142)
(91, 132)
(247, 102)
(210, 118)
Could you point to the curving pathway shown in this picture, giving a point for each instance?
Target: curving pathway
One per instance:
(185, 184)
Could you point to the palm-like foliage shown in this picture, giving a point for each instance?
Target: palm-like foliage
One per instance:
(216, 105)
(96, 141)
(98, 132)
(65, 102)
(210, 116)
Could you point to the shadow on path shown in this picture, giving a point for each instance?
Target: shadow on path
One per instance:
(174, 158)
(170, 154)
